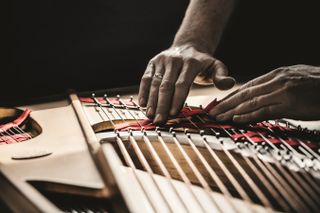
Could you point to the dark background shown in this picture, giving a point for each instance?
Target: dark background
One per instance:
(96, 44)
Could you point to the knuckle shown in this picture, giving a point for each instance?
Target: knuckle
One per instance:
(191, 61)
(155, 82)
(180, 84)
(244, 94)
(280, 71)
(283, 79)
(174, 62)
(209, 60)
(159, 58)
(146, 78)
(249, 84)
(176, 59)
(253, 102)
(166, 86)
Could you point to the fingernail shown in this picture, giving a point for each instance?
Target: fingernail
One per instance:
(158, 118)
(236, 118)
(150, 112)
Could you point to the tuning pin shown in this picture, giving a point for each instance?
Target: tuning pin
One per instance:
(171, 129)
(93, 95)
(105, 96)
(186, 104)
(118, 97)
(201, 132)
(159, 133)
(287, 124)
(201, 107)
(131, 98)
(239, 145)
(130, 132)
(217, 134)
(299, 128)
(116, 132)
(173, 134)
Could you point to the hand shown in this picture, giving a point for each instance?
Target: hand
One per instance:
(166, 82)
(286, 92)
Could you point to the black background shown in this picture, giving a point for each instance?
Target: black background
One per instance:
(96, 44)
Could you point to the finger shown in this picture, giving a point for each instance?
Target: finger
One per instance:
(145, 84)
(251, 105)
(220, 76)
(154, 90)
(182, 86)
(166, 90)
(257, 81)
(262, 79)
(265, 113)
(229, 95)
(243, 95)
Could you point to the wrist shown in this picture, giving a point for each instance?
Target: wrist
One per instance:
(200, 46)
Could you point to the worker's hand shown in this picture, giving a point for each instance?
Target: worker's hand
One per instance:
(286, 92)
(166, 82)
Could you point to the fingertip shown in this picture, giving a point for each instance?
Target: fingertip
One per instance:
(225, 83)
(160, 119)
(150, 112)
(173, 112)
(142, 102)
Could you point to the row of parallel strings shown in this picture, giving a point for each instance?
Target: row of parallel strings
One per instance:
(159, 162)
(298, 194)
(11, 133)
(293, 189)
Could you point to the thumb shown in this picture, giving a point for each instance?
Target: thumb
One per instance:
(220, 76)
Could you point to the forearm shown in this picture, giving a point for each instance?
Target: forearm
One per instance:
(203, 24)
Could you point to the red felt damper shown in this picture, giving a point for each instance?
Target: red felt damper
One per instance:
(7, 139)
(16, 122)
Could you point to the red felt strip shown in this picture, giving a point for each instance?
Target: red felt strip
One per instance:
(13, 138)
(16, 122)
(90, 100)
(311, 145)
(211, 105)
(254, 134)
(185, 112)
